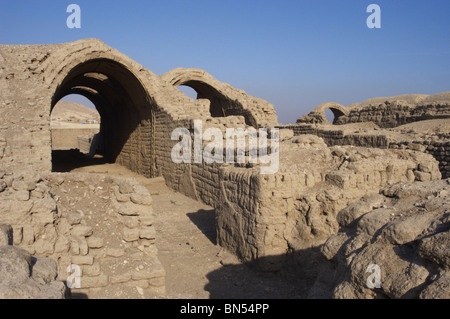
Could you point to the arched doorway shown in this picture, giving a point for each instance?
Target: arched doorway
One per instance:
(224, 100)
(332, 114)
(75, 132)
(220, 105)
(126, 132)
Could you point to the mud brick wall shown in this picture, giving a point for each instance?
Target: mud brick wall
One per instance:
(164, 126)
(200, 181)
(67, 138)
(85, 144)
(206, 180)
(436, 144)
(137, 152)
(265, 218)
(194, 180)
(25, 140)
(439, 149)
(238, 213)
(395, 113)
(103, 225)
(337, 136)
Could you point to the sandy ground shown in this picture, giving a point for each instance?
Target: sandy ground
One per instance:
(65, 125)
(196, 267)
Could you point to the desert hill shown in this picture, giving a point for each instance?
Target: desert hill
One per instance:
(73, 112)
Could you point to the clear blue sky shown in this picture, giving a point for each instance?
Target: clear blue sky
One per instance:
(295, 54)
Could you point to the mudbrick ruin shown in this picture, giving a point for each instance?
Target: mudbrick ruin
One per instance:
(371, 188)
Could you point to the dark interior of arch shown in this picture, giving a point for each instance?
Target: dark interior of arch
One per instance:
(126, 111)
(221, 106)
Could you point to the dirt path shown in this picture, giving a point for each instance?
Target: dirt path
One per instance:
(197, 268)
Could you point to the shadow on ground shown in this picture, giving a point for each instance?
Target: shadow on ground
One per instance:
(294, 277)
(244, 281)
(67, 161)
(76, 295)
(205, 220)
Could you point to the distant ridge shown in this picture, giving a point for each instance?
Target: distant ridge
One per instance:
(65, 110)
(410, 99)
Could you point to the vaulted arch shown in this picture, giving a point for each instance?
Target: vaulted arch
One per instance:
(126, 108)
(223, 99)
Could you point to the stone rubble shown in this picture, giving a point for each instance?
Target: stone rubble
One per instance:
(62, 226)
(405, 230)
(23, 276)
